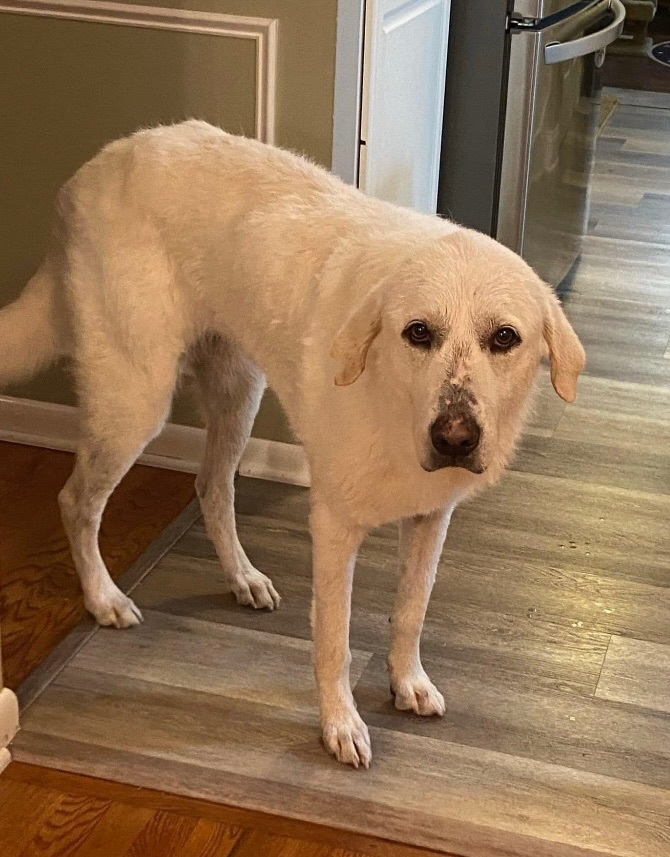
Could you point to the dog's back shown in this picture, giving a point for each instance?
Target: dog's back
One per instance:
(191, 173)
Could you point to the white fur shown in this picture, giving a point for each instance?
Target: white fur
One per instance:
(187, 246)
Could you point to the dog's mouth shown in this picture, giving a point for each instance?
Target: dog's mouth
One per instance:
(436, 462)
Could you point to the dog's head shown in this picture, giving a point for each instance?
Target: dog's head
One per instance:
(451, 334)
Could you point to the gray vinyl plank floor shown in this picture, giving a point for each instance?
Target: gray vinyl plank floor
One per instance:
(636, 672)
(548, 631)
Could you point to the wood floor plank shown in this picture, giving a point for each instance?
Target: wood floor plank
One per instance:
(630, 433)
(581, 460)
(165, 835)
(257, 843)
(548, 408)
(619, 348)
(116, 831)
(607, 398)
(211, 839)
(212, 658)
(513, 714)
(23, 808)
(616, 434)
(69, 823)
(636, 672)
(638, 97)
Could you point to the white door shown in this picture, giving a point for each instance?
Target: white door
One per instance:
(404, 68)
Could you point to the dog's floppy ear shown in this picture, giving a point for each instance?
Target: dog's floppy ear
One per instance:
(566, 355)
(351, 345)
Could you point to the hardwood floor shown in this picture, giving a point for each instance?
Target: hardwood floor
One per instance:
(549, 632)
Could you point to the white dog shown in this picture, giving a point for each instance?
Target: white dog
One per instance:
(403, 348)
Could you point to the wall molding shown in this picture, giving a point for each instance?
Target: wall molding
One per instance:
(263, 31)
(176, 448)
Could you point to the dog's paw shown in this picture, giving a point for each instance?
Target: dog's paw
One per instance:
(347, 738)
(253, 589)
(418, 694)
(116, 609)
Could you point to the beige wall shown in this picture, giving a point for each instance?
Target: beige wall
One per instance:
(87, 83)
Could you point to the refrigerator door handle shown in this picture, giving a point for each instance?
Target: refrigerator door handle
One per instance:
(556, 52)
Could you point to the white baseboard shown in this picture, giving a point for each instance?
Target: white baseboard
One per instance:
(275, 461)
(176, 448)
(9, 723)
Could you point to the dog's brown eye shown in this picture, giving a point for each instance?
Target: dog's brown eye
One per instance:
(418, 334)
(505, 338)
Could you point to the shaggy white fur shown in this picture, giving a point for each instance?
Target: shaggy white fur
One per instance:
(403, 348)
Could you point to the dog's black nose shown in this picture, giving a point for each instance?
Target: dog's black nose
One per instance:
(455, 436)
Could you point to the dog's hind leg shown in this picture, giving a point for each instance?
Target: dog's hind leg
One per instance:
(231, 387)
(123, 408)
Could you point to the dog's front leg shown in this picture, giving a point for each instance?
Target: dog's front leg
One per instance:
(421, 542)
(334, 547)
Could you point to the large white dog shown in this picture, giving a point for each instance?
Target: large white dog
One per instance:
(403, 348)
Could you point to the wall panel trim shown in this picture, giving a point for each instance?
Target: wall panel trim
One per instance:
(263, 31)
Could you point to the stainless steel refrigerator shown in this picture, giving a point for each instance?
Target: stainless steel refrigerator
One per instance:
(520, 122)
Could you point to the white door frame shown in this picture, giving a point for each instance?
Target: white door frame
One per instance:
(348, 89)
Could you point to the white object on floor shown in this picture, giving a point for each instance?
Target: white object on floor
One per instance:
(9, 723)
(5, 759)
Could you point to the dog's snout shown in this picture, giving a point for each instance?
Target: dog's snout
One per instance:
(455, 435)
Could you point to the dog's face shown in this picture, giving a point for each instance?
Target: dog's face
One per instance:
(454, 334)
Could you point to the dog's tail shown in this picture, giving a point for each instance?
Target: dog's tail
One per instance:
(29, 330)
